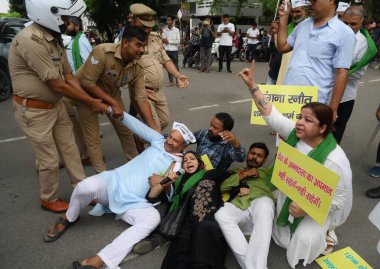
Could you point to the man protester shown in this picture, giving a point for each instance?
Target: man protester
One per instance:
(354, 17)
(253, 38)
(225, 31)
(253, 204)
(322, 48)
(108, 68)
(298, 14)
(40, 76)
(218, 142)
(207, 33)
(123, 191)
(171, 40)
(153, 62)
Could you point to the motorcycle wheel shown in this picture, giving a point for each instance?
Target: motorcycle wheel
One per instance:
(242, 55)
(5, 86)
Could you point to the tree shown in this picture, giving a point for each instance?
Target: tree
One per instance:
(17, 6)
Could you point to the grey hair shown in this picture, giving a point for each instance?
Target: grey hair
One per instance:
(355, 11)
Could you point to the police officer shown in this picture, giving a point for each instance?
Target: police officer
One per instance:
(153, 62)
(108, 68)
(40, 76)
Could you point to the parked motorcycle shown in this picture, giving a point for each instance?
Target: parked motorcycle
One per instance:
(235, 53)
(195, 58)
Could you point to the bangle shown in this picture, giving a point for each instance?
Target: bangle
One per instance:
(253, 90)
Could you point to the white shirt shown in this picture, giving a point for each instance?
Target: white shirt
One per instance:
(351, 89)
(254, 33)
(173, 37)
(85, 49)
(226, 38)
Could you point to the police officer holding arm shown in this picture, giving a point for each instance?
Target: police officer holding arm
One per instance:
(40, 76)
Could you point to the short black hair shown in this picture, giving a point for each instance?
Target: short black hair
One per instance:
(260, 145)
(226, 16)
(76, 21)
(254, 23)
(132, 31)
(226, 119)
(170, 16)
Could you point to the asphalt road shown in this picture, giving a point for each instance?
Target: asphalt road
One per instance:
(23, 223)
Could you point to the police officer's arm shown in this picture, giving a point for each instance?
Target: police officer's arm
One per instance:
(138, 93)
(282, 44)
(182, 80)
(90, 72)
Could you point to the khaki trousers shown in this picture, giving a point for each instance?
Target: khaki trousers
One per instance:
(50, 133)
(159, 106)
(90, 126)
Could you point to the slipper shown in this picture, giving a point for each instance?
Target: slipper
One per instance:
(78, 265)
(57, 234)
(330, 245)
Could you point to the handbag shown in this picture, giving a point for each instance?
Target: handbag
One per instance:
(172, 222)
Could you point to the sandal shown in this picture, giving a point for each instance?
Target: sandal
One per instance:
(78, 265)
(57, 233)
(330, 245)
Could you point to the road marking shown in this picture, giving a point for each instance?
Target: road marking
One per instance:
(202, 107)
(13, 139)
(373, 80)
(241, 101)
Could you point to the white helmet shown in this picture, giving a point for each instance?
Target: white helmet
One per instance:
(48, 12)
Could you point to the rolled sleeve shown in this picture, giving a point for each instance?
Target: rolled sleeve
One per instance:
(138, 88)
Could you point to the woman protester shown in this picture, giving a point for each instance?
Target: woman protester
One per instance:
(311, 134)
(199, 243)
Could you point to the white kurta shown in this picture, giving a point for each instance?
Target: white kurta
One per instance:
(308, 241)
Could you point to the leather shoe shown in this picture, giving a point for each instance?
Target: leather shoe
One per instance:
(58, 206)
(373, 193)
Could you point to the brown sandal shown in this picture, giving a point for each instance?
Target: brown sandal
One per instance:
(57, 233)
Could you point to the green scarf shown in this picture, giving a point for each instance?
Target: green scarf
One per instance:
(76, 52)
(194, 179)
(291, 27)
(319, 154)
(368, 55)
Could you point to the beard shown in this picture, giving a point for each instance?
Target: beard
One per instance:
(71, 33)
(214, 138)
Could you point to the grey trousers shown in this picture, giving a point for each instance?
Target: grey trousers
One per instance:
(205, 58)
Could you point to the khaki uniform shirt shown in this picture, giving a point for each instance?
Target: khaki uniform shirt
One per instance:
(104, 68)
(35, 57)
(152, 62)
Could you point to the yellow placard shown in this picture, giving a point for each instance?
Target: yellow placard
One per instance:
(343, 259)
(207, 162)
(287, 99)
(305, 181)
(185, 6)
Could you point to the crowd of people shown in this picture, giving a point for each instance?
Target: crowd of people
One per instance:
(59, 92)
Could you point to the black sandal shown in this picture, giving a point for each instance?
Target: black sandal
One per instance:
(78, 265)
(57, 234)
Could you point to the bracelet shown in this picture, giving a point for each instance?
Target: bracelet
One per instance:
(253, 90)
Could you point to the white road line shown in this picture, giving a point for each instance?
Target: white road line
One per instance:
(241, 101)
(13, 139)
(373, 80)
(202, 107)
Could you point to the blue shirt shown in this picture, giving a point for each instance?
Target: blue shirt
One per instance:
(221, 154)
(317, 52)
(85, 49)
(128, 185)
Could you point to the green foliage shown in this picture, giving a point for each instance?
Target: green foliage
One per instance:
(18, 6)
(269, 7)
(10, 15)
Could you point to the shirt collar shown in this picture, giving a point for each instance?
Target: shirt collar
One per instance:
(332, 23)
(47, 35)
(118, 55)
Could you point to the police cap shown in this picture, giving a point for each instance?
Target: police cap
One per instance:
(144, 14)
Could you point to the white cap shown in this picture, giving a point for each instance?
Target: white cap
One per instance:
(187, 135)
(299, 3)
(342, 6)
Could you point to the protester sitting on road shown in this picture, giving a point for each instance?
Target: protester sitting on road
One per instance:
(200, 242)
(374, 171)
(219, 143)
(252, 203)
(123, 191)
(311, 135)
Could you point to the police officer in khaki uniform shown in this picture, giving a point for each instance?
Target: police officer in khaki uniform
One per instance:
(153, 62)
(40, 76)
(109, 67)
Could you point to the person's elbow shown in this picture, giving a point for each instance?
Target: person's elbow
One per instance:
(56, 85)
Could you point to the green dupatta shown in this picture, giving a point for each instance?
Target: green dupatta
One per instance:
(194, 179)
(318, 154)
(75, 52)
(368, 55)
